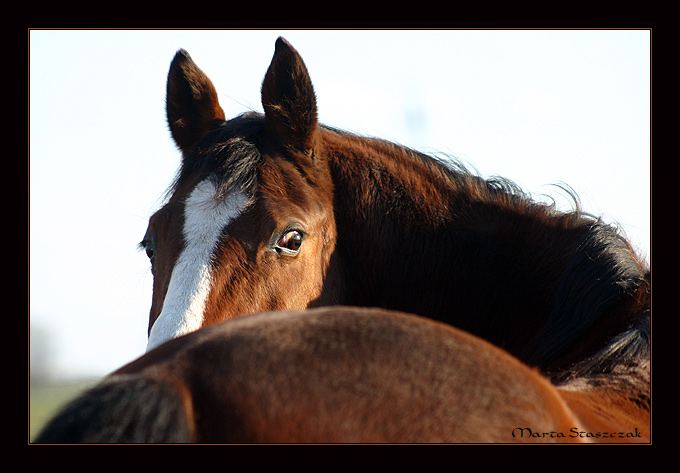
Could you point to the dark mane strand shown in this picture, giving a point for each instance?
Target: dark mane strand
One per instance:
(601, 273)
(462, 176)
(626, 359)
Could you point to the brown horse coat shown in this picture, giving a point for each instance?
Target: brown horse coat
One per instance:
(338, 375)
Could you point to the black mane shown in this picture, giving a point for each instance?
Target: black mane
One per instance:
(229, 154)
(602, 273)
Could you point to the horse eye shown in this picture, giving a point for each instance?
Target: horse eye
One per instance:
(150, 249)
(290, 243)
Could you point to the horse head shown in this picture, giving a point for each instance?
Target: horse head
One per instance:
(249, 225)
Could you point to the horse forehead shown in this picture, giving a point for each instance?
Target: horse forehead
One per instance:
(198, 214)
(287, 186)
(204, 199)
(206, 213)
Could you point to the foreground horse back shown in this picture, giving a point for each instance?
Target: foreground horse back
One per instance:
(324, 375)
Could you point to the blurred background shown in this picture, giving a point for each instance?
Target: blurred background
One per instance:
(540, 107)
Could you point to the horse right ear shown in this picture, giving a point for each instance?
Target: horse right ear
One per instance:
(191, 102)
(288, 99)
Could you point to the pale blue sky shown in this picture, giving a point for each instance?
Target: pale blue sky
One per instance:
(538, 107)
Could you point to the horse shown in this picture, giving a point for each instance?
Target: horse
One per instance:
(333, 375)
(277, 212)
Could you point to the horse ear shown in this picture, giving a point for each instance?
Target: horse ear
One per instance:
(288, 99)
(191, 102)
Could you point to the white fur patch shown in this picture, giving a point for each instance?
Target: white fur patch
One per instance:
(191, 279)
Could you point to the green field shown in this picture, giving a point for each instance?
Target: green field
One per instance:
(45, 400)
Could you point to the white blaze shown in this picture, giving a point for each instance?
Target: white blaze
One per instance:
(204, 219)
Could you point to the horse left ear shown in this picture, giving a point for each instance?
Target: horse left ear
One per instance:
(288, 99)
(191, 102)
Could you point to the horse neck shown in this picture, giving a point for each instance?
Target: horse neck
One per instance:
(415, 237)
(420, 238)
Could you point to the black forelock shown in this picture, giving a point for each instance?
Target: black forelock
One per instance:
(229, 154)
